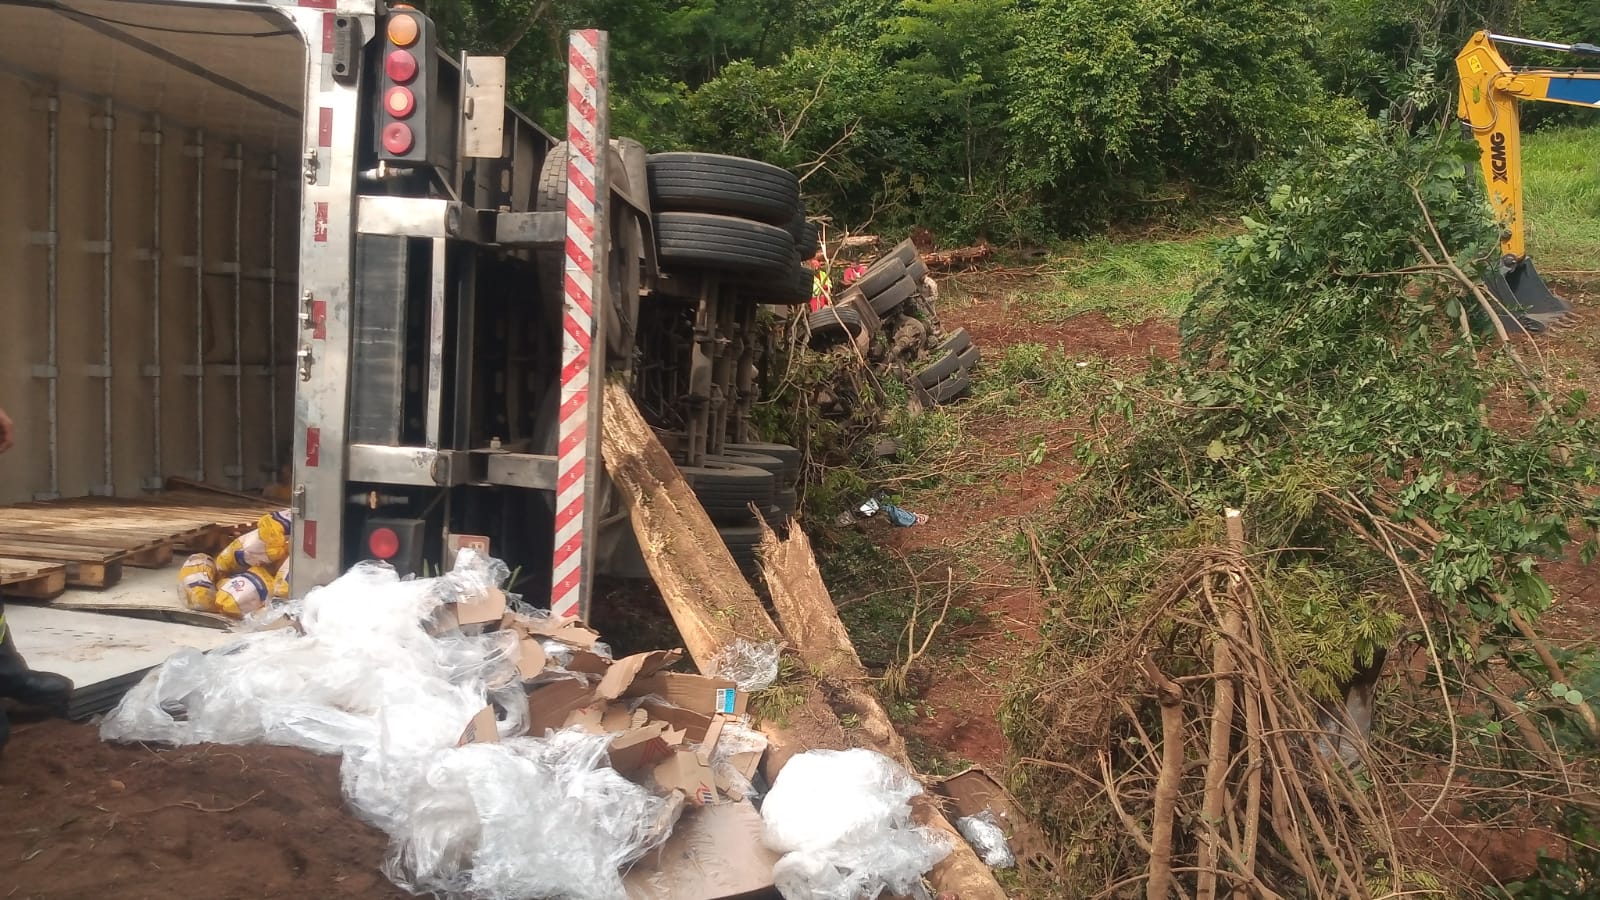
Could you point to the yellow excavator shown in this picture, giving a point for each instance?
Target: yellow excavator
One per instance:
(1488, 102)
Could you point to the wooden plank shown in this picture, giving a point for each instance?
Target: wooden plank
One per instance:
(14, 570)
(157, 557)
(31, 579)
(62, 553)
(91, 541)
(84, 568)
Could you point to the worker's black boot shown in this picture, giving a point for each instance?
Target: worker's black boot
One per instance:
(46, 690)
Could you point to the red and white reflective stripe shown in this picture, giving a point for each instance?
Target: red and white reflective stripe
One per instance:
(584, 144)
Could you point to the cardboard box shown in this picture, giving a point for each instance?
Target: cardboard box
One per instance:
(646, 745)
(568, 631)
(685, 771)
(622, 674)
(698, 693)
(530, 658)
(715, 853)
(484, 610)
(551, 704)
(480, 729)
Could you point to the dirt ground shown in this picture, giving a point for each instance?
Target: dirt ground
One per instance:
(82, 818)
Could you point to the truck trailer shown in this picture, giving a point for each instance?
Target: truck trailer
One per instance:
(299, 244)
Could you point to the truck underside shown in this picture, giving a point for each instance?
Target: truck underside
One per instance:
(157, 316)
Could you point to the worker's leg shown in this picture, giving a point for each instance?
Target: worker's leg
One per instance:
(43, 689)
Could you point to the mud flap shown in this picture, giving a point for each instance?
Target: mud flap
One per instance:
(1529, 304)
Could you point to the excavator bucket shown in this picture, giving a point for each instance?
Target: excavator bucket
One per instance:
(1528, 303)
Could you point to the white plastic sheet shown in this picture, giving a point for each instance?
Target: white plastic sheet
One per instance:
(368, 679)
(842, 819)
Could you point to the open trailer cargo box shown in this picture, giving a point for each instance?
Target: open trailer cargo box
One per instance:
(150, 240)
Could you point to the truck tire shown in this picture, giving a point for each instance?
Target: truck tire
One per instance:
(942, 367)
(742, 541)
(950, 388)
(970, 358)
(806, 238)
(732, 454)
(725, 185)
(706, 241)
(918, 270)
(791, 457)
(726, 490)
(877, 280)
(894, 295)
(905, 252)
(956, 341)
(834, 323)
(947, 359)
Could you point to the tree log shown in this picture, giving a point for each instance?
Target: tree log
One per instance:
(706, 593)
(713, 605)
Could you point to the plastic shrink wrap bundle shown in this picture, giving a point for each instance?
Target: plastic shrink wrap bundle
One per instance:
(842, 819)
(366, 677)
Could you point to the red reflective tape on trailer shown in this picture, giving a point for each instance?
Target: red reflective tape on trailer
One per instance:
(576, 100)
(319, 223)
(325, 127)
(585, 187)
(585, 141)
(313, 447)
(309, 542)
(327, 32)
(319, 320)
(580, 142)
(317, 4)
(580, 61)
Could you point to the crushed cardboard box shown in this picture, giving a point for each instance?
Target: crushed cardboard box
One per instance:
(714, 853)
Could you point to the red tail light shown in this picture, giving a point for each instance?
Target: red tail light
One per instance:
(397, 138)
(400, 66)
(383, 543)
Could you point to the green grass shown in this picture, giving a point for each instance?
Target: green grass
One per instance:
(1129, 281)
(1561, 191)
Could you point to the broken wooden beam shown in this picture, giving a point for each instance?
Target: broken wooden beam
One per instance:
(713, 606)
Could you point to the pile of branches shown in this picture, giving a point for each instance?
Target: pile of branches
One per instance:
(1239, 750)
(1198, 717)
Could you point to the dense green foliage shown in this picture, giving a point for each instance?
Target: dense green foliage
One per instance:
(1015, 119)
(1401, 479)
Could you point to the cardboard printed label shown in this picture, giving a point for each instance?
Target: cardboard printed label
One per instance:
(726, 699)
(481, 729)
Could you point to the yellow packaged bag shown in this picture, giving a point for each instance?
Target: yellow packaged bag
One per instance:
(244, 593)
(280, 584)
(265, 545)
(197, 582)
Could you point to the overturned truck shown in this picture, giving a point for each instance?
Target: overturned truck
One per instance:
(296, 242)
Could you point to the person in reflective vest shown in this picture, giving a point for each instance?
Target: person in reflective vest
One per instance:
(821, 285)
(18, 682)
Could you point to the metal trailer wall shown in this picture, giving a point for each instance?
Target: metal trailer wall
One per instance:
(148, 309)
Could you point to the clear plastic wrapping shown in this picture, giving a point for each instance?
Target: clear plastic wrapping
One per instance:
(842, 819)
(373, 678)
(736, 743)
(527, 817)
(752, 665)
(984, 833)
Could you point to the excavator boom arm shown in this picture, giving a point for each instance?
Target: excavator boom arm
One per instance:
(1488, 103)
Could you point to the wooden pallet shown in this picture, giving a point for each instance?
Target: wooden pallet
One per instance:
(31, 579)
(86, 567)
(94, 536)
